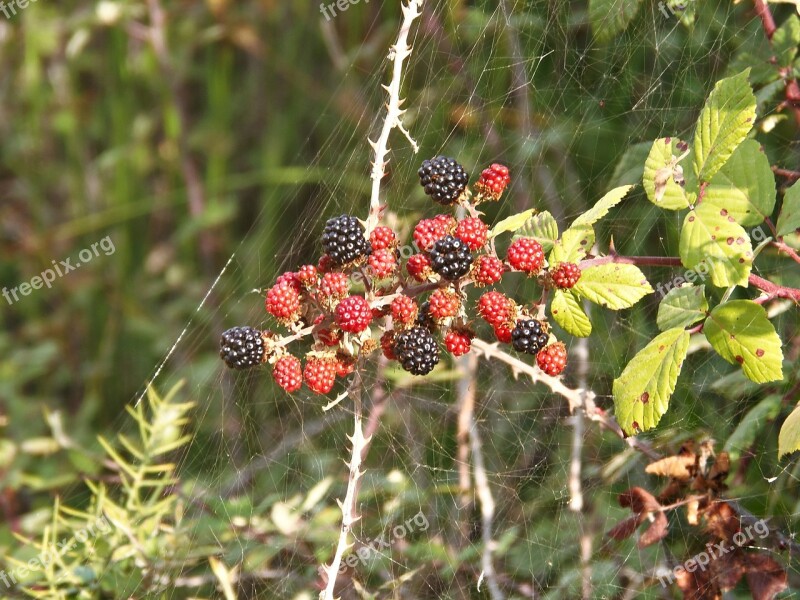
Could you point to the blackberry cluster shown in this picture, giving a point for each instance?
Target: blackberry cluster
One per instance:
(242, 347)
(416, 350)
(444, 179)
(451, 258)
(344, 241)
(528, 336)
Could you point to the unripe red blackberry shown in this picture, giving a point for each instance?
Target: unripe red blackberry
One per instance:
(444, 304)
(443, 179)
(382, 263)
(404, 310)
(451, 258)
(344, 365)
(528, 336)
(492, 182)
(429, 231)
(387, 344)
(290, 278)
(320, 373)
(382, 238)
(565, 275)
(283, 302)
(288, 373)
(473, 232)
(552, 359)
(333, 286)
(487, 270)
(344, 240)
(526, 254)
(419, 267)
(496, 308)
(325, 264)
(242, 347)
(416, 350)
(503, 332)
(458, 341)
(307, 276)
(353, 314)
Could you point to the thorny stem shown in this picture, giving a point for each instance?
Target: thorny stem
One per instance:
(399, 52)
(349, 505)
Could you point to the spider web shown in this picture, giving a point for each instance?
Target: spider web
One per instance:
(258, 453)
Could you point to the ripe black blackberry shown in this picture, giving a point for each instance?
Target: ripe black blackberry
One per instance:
(450, 258)
(417, 351)
(443, 178)
(242, 347)
(344, 241)
(528, 336)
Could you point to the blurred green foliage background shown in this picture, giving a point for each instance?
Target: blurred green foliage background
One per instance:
(202, 136)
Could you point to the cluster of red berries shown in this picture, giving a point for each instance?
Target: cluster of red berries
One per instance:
(358, 286)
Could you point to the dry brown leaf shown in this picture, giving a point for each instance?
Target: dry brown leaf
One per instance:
(691, 512)
(656, 532)
(697, 585)
(624, 529)
(765, 577)
(639, 500)
(722, 521)
(679, 467)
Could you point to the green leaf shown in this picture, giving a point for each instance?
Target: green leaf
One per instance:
(712, 241)
(568, 312)
(751, 425)
(683, 10)
(574, 245)
(613, 286)
(682, 307)
(724, 122)
(744, 186)
(543, 228)
(642, 391)
(661, 169)
(786, 39)
(600, 210)
(789, 219)
(512, 223)
(789, 437)
(610, 17)
(742, 334)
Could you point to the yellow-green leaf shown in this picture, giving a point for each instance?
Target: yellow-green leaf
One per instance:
(609, 17)
(789, 219)
(713, 242)
(568, 312)
(682, 307)
(512, 223)
(642, 391)
(664, 176)
(724, 122)
(742, 334)
(541, 227)
(745, 186)
(601, 208)
(789, 437)
(614, 286)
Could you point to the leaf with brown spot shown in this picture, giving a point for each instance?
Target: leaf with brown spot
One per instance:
(678, 467)
(656, 532)
(765, 577)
